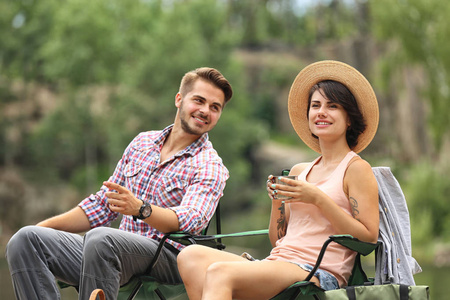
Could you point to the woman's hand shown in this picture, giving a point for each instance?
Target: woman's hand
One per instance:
(295, 190)
(270, 190)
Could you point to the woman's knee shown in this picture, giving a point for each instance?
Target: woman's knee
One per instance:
(220, 273)
(190, 256)
(218, 268)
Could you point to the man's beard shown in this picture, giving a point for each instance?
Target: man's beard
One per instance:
(189, 129)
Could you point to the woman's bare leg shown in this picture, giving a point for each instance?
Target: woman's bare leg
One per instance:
(193, 263)
(212, 274)
(250, 280)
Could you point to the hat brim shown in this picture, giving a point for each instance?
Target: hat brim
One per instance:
(348, 76)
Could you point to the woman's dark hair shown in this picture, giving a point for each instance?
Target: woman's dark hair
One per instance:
(338, 93)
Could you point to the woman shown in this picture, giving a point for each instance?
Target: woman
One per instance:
(334, 111)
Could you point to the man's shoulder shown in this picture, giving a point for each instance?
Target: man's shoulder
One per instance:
(208, 161)
(146, 139)
(207, 157)
(208, 153)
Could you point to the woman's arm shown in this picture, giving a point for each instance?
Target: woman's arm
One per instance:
(278, 221)
(362, 189)
(279, 216)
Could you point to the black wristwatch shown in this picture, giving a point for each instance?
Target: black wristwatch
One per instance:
(144, 212)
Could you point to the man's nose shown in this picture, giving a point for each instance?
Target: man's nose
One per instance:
(204, 109)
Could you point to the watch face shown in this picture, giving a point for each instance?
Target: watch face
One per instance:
(147, 211)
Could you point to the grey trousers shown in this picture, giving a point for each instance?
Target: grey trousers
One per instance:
(105, 258)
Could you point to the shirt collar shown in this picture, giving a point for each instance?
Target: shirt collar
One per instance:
(192, 149)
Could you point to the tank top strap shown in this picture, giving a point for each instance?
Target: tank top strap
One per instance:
(342, 167)
(306, 171)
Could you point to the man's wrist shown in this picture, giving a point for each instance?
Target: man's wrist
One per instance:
(145, 211)
(139, 207)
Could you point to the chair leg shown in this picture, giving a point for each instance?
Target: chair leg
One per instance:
(99, 293)
(160, 295)
(135, 290)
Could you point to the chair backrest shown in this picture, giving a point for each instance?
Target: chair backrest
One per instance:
(217, 221)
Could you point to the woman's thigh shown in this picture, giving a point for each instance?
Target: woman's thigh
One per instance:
(196, 259)
(258, 279)
(207, 255)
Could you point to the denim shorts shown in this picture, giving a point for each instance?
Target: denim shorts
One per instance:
(327, 281)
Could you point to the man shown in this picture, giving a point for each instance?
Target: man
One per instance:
(166, 181)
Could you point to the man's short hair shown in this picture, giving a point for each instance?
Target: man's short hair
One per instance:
(210, 75)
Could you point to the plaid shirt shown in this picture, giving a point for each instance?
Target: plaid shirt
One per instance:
(190, 183)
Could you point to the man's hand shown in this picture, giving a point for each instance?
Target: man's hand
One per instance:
(122, 201)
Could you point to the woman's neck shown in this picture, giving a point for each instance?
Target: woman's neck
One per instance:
(333, 154)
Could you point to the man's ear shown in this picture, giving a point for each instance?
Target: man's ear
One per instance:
(178, 100)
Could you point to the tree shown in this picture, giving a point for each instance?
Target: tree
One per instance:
(419, 39)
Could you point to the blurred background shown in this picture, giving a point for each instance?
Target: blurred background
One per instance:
(80, 78)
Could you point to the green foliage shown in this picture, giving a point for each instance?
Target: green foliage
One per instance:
(24, 27)
(112, 69)
(427, 193)
(419, 34)
(86, 40)
(115, 68)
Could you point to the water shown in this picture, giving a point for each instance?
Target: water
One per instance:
(435, 278)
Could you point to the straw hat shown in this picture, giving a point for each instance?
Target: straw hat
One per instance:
(348, 76)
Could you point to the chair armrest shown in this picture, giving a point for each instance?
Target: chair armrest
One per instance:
(345, 240)
(211, 240)
(352, 243)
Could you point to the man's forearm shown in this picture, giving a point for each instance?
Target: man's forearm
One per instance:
(75, 221)
(163, 219)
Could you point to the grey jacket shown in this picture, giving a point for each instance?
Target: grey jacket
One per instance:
(394, 261)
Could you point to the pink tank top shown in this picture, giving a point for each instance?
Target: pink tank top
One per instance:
(308, 229)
